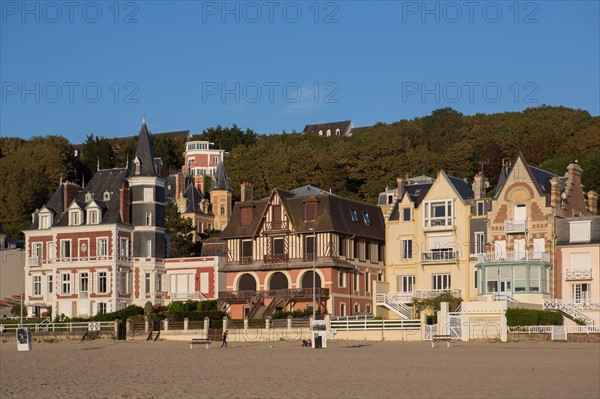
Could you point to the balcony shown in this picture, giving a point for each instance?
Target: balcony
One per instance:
(442, 223)
(246, 260)
(35, 261)
(439, 256)
(516, 226)
(178, 296)
(407, 297)
(290, 293)
(578, 274)
(514, 257)
(309, 257)
(276, 258)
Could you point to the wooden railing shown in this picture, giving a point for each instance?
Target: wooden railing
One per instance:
(289, 293)
(281, 225)
(276, 258)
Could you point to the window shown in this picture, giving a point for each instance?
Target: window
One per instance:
(37, 285)
(356, 308)
(44, 222)
(441, 282)
(74, 218)
(101, 308)
(102, 282)
(148, 194)
(520, 279)
(159, 278)
(480, 209)
(123, 283)
(491, 277)
(66, 284)
(438, 214)
(36, 251)
(579, 231)
(534, 279)
(215, 160)
(405, 283)
(124, 247)
(367, 218)
(390, 199)
(309, 248)
(475, 278)
(148, 248)
(354, 215)
(342, 309)
(83, 282)
(246, 253)
(368, 308)
(368, 281)
(581, 293)
(65, 249)
(278, 247)
(342, 244)
(93, 217)
(342, 279)
(406, 214)
(222, 210)
(407, 248)
(310, 211)
(147, 283)
(102, 247)
(356, 281)
(148, 218)
(50, 284)
(479, 242)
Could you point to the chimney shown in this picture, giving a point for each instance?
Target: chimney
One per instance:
(124, 204)
(199, 183)
(70, 191)
(555, 190)
(179, 185)
(247, 192)
(479, 186)
(400, 183)
(574, 172)
(592, 203)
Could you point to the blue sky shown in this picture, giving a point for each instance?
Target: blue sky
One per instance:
(97, 67)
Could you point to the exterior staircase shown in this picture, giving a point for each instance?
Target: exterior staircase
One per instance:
(569, 311)
(256, 305)
(153, 336)
(397, 307)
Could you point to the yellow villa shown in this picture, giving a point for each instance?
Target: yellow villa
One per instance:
(428, 243)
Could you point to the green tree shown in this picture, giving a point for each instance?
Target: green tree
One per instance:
(181, 233)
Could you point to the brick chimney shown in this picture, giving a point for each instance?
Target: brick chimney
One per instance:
(592, 202)
(479, 186)
(555, 190)
(574, 173)
(400, 182)
(247, 192)
(70, 192)
(124, 202)
(179, 185)
(199, 183)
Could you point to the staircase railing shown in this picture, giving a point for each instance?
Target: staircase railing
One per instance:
(505, 296)
(255, 305)
(398, 307)
(569, 310)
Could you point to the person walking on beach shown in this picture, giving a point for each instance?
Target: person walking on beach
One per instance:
(224, 340)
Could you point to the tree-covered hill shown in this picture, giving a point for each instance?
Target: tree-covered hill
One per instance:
(358, 167)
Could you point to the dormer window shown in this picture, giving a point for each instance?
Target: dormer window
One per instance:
(579, 231)
(328, 133)
(320, 132)
(92, 216)
(137, 164)
(354, 215)
(89, 197)
(366, 218)
(74, 218)
(44, 221)
(247, 215)
(310, 211)
(106, 196)
(337, 132)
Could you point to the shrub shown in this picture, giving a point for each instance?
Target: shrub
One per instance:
(148, 308)
(122, 314)
(176, 307)
(533, 317)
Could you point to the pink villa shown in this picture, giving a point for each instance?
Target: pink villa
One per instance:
(194, 278)
(274, 244)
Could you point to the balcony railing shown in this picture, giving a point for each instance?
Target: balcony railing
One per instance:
(290, 293)
(439, 256)
(276, 258)
(406, 297)
(578, 274)
(34, 261)
(187, 295)
(515, 226)
(309, 256)
(281, 225)
(246, 260)
(513, 257)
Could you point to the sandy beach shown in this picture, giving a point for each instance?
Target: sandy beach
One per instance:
(169, 369)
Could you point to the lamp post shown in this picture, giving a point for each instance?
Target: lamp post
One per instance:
(314, 271)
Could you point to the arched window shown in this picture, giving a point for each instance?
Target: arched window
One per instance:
(328, 133)
(278, 281)
(307, 280)
(247, 282)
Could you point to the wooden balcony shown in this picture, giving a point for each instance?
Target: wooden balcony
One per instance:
(290, 293)
(276, 258)
(277, 226)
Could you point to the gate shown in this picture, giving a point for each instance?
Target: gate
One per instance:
(559, 333)
(430, 330)
(455, 321)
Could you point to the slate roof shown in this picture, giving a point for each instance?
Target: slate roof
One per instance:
(214, 247)
(540, 178)
(308, 190)
(415, 192)
(344, 126)
(462, 188)
(192, 196)
(220, 179)
(145, 154)
(333, 214)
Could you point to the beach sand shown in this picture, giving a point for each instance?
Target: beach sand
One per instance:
(169, 369)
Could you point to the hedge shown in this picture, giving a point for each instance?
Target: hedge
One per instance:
(533, 317)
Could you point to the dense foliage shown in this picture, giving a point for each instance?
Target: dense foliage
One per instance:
(533, 317)
(357, 167)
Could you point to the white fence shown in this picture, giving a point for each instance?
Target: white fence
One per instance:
(548, 329)
(58, 327)
(371, 324)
